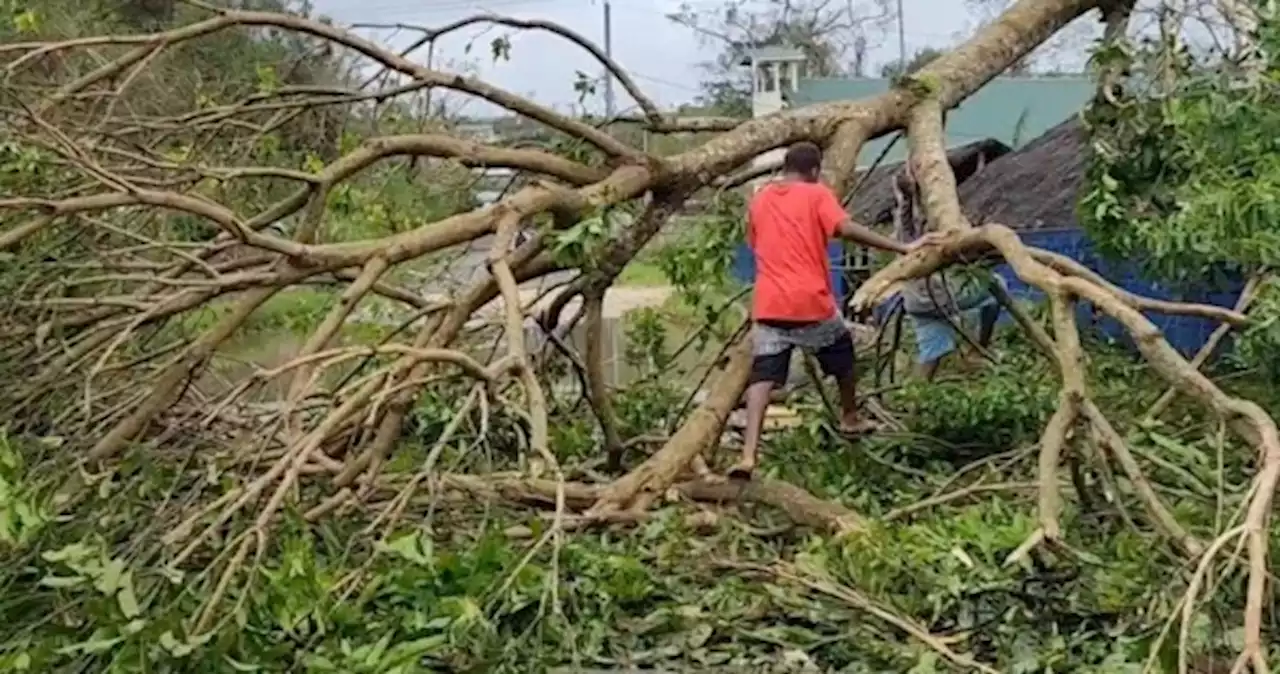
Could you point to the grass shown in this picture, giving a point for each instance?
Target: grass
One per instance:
(296, 311)
(643, 274)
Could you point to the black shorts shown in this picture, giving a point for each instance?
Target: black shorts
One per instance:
(835, 360)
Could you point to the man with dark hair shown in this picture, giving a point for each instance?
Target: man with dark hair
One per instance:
(789, 226)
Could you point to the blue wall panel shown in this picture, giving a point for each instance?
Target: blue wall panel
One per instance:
(744, 267)
(1185, 333)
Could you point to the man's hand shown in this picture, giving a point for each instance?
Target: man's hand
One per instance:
(929, 239)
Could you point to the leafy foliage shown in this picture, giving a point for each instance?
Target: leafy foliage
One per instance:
(1183, 178)
(920, 59)
(1186, 182)
(699, 263)
(1006, 411)
(458, 591)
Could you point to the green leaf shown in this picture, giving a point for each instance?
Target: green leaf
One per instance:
(97, 644)
(1167, 443)
(126, 598)
(176, 648)
(27, 21)
(699, 635)
(412, 548)
(62, 581)
(408, 651)
(241, 666)
(110, 578)
(438, 624)
(268, 80)
(927, 664)
(135, 626)
(374, 655)
(73, 552)
(319, 663)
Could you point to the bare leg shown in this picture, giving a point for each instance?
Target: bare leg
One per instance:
(987, 317)
(927, 370)
(757, 404)
(838, 361)
(848, 401)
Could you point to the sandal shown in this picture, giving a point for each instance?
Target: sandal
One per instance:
(739, 471)
(859, 431)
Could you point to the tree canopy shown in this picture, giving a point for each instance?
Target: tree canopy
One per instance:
(834, 36)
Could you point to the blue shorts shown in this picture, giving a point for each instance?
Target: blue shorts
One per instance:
(936, 338)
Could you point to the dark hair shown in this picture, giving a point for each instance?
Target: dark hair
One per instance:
(804, 159)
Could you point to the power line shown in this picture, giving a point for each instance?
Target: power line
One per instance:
(902, 38)
(659, 80)
(402, 8)
(608, 51)
(647, 6)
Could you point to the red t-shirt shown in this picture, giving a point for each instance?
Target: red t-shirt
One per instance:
(789, 226)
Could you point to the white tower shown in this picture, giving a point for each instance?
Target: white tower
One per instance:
(776, 72)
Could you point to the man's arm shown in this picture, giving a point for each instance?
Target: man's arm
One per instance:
(848, 229)
(838, 224)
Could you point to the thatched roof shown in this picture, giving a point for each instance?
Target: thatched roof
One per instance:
(873, 202)
(1036, 187)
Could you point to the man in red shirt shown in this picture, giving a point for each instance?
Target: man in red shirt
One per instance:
(789, 226)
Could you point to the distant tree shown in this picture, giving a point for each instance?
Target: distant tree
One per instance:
(728, 91)
(922, 58)
(1068, 46)
(926, 55)
(835, 38)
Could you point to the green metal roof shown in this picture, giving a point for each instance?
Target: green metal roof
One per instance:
(776, 52)
(769, 52)
(1013, 110)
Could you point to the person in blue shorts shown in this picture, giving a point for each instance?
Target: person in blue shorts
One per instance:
(939, 303)
(937, 308)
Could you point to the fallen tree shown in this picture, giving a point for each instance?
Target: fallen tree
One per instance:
(100, 343)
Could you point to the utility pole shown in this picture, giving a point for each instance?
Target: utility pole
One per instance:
(608, 51)
(902, 40)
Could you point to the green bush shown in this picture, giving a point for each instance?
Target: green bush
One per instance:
(1005, 406)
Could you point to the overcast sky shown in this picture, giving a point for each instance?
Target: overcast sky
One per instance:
(659, 54)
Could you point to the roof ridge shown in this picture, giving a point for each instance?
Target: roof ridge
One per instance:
(997, 78)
